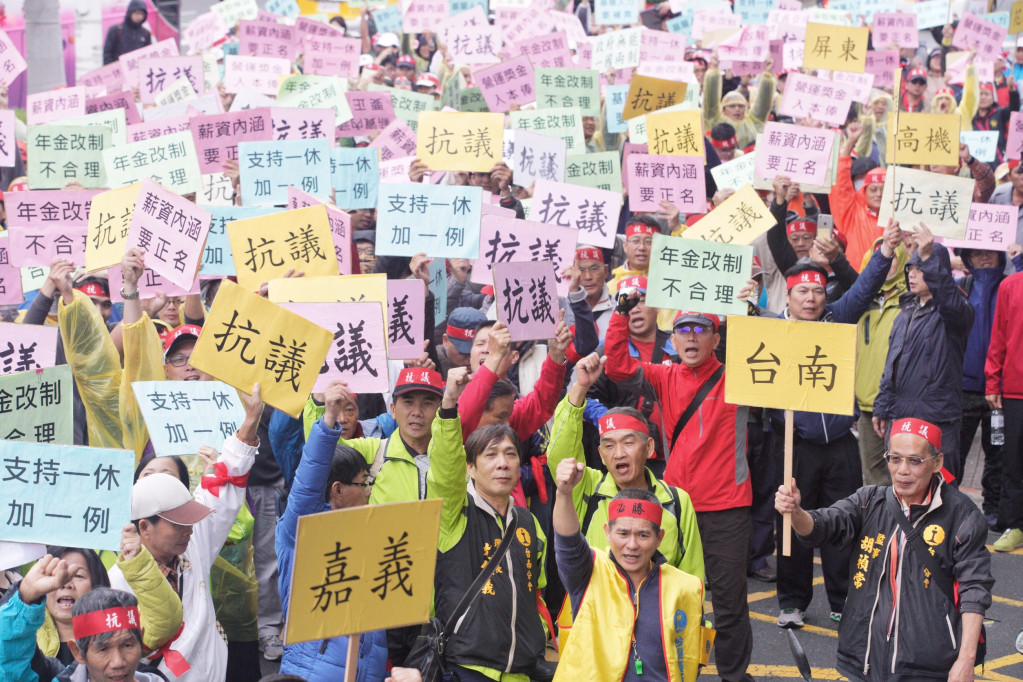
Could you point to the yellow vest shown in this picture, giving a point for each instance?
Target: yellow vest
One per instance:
(602, 632)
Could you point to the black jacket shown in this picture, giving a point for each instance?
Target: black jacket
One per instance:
(927, 630)
(923, 373)
(127, 36)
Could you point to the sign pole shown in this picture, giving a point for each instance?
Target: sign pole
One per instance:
(352, 660)
(786, 519)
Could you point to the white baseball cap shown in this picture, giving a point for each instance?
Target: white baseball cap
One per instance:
(165, 496)
(388, 39)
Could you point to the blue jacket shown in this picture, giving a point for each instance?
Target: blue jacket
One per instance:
(319, 661)
(923, 373)
(981, 286)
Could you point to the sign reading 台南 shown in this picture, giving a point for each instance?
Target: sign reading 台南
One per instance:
(835, 48)
(740, 219)
(942, 202)
(508, 240)
(268, 168)
(37, 406)
(46, 224)
(678, 133)
(456, 141)
(109, 221)
(925, 139)
(992, 227)
(169, 160)
(26, 347)
(379, 576)
(527, 299)
(676, 179)
(59, 154)
(65, 495)
(593, 212)
(692, 274)
(247, 339)
(801, 153)
(182, 415)
(172, 230)
(438, 220)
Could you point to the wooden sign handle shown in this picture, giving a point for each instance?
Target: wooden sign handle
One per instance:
(786, 519)
(352, 660)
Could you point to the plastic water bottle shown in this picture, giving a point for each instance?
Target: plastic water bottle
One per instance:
(997, 427)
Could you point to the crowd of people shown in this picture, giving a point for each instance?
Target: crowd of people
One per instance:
(603, 468)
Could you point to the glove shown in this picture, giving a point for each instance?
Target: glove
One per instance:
(625, 304)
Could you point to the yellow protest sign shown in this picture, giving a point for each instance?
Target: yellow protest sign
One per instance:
(460, 141)
(362, 569)
(739, 219)
(835, 48)
(336, 289)
(1016, 17)
(247, 339)
(923, 139)
(266, 247)
(676, 133)
(791, 365)
(648, 94)
(109, 220)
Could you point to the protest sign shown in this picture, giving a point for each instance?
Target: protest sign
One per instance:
(130, 61)
(678, 180)
(203, 31)
(1014, 143)
(8, 141)
(340, 226)
(423, 15)
(183, 415)
(562, 123)
(108, 77)
(371, 111)
(296, 123)
(615, 12)
(647, 95)
(615, 101)
(44, 225)
(1016, 17)
(336, 289)
(471, 99)
(147, 131)
(266, 247)
(408, 105)
(790, 365)
(217, 257)
(600, 170)
(735, 173)
(266, 39)
(801, 153)
(285, 8)
(10, 276)
(246, 339)
(527, 299)
(26, 347)
(882, 63)
(815, 98)
(661, 46)
(59, 154)
(568, 88)
(169, 160)
(456, 141)
(740, 219)
(160, 73)
(108, 103)
(37, 406)
(380, 576)
(693, 274)
(54, 105)
(942, 202)
(439, 288)
(115, 119)
(216, 137)
(534, 157)
(268, 168)
(172, 230)
(859, 85)
(66, 495)
(548, 50)
(406, 301)
(395, 142)
(32, 278)
(836, 48)
(259, 74)
(678, 133)
(231, 11)
(438, 220)
(593, 212)
(12, 64)
(508, 240)
(109, 221)
(331, 54)
(983, 144)
(150, 285)
(616, 49)
(315, 92)
(355, 177)
(507, 83)
(974, 33)
(991, 227)
(925, 139)
(896, 29)
(476, 44)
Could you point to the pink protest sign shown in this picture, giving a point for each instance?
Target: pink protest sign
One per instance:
(331, 55)
(260, 74)
(263, 39)
(159, 73)
(108, 77)
(395, 171)
(803, 154)
(406, 305)
(594, 212)
(787, 25)
(713, 20)
(528, 24)
(310, 27)
(895, 29)
(859, 84)
(204, 31)
(396, 141)
(46, 224)
(473, 16)
(424, 15)
(171, 230)
(979, 34)
(130, 61)
(1014, 144)
(678, 180)
(507, 83)
(10, 276)
(118, 100)
(217, 136)
(151, 284)
(751, 44)
(358, 354)
(158, 128)
(53, 105)
(527, 299)
(297, 123)
(570, 24)
(8, 146)
(661, 46)
(816, 98)
(27, 347)
(11, 61)
(546, 51)
(476, 45)
(741, 69)
(371, 111)
(340, 226)
(504, 239)
(882, 63)
(992, 227)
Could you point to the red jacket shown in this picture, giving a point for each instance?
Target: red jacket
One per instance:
(709, 458)
(1004, 367)
(853, 217)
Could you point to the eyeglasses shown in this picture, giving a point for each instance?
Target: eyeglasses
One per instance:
(695, 329)
(178, 360)
(637, 241)
(914, 462)
(368, 483)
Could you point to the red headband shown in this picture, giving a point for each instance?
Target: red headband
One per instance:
(619, 422)
(1013, 164)
(730, 143)
(459, 333)
(638, 228)
(639, 509)
(93, 289)
(918, 427)
(876, 175)
(108, 620)
(589, 254)
(805, 277)
(801, 225)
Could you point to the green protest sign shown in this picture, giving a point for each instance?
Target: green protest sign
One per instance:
(568, 88)
(563, 122)
(59, 154)
(36, 406)
(408, 104)
(600, 170)
(691, 274)
(471, 99)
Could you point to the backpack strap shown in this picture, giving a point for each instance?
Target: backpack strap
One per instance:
(704, 391)
(939, 572)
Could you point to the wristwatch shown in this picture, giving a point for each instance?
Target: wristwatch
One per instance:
(129, 297)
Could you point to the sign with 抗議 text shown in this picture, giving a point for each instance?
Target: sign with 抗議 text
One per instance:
(158, 74)
(109, 221)
(533, 157)
(171, 230)
(47, 224)
(510, 82)
(679, 180)
(217, 136)
(37, 406)
(268, 168)
(562, 123)
(406, 306)
(438, 220)
(815, 98)
(457, 141)
(59, 154)
(802, 154)
(527, 299)
(647, 95)
(593, 212)
(678, 133)
(340, 226)
(739, 219)
(183, 415)
(295, 123)
(992, 227)
(130, 61)
(266, 247)
(942, 202)
(791, 364)
(247, 339)
(568, 88)
(8, 147)
(925, 139)
(835, 48)
(169, 160)
(65, 495)
(693, 274)
(509, 240)
(217, 257)
(380, 575)
(735, 173)
(355, 177)
(26, 347)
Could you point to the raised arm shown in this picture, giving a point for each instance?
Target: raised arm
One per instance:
(446, 478)
(159, 605)
(532, 410)
(474, 399)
